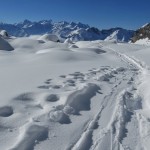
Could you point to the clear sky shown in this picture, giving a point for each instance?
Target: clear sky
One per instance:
(130, 14)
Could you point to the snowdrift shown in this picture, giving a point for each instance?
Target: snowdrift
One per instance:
(4, 33)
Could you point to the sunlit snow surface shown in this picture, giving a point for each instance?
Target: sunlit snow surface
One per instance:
(74, 96)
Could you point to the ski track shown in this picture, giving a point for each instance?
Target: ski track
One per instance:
(70, 96)
(137, 122)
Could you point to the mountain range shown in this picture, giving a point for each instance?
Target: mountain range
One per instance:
(64, 30)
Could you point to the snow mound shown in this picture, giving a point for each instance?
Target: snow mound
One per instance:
(4, 45)
(49, 37)
(31, 135)
(59, 116)
(4, 33)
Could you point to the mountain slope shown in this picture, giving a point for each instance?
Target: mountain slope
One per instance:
(119, 34)
(142, 33)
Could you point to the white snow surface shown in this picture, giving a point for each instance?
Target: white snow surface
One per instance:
(145, 25)
(49, 37)
(145, 41)
(74, 96)
(4, 33)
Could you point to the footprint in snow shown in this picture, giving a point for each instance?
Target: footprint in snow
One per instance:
(48, 81)
(121, 69)
(25, 97)
(56, 86)
(44, 87)
(75, 74)
(52, 98)
(6, 111)
(69, 82)
(62, 76)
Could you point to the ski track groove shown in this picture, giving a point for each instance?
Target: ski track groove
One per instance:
(142, 70)
(107, 98)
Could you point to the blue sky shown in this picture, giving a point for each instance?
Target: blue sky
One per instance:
(130, 14)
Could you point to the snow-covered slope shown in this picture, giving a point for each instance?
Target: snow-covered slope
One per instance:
(65, 30)
(86, 95)
(120, 35)
(49, 37)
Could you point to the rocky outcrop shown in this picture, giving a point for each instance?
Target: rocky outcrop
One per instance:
(142, 33)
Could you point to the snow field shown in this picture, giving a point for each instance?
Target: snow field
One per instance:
(83, 95)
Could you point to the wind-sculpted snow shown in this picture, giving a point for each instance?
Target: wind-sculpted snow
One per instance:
(32, 134)
(80, 100)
